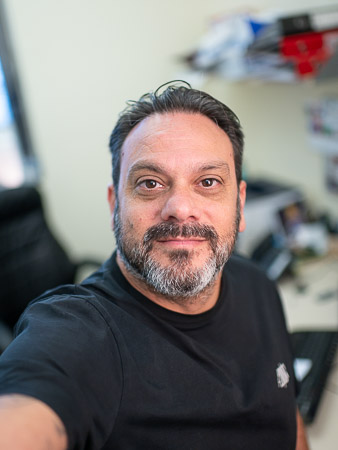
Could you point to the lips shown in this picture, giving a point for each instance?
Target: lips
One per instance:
(177, 239)
(181, 242)
(179, 236)
(172, 231)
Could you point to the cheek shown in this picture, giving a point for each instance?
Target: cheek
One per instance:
(224, 218)
(135, 220)
(142, 215)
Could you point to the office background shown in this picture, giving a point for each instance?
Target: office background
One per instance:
(80, 60)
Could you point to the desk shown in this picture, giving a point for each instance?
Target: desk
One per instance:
(311, 302)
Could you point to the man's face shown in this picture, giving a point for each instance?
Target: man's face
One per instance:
(179, 207)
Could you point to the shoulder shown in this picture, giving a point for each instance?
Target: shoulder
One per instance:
(249, 284)
(70, 312)
(88, 297)
(242, 268)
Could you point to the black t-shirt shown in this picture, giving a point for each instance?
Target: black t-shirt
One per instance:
(124, 373)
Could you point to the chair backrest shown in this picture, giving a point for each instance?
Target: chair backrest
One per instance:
(31, 259)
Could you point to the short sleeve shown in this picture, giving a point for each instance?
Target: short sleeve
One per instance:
(65, 355)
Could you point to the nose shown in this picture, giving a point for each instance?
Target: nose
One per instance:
(180, 206)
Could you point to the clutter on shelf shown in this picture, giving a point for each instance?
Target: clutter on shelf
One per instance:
(270, 46)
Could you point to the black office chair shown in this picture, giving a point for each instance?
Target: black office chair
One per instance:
(31, 259)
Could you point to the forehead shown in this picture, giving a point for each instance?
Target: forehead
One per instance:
(180, 138)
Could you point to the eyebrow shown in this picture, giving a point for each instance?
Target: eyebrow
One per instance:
(158, 168)
(137, 167)
(215, 165)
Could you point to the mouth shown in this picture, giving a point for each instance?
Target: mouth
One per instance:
(171, 236)
(181, 242)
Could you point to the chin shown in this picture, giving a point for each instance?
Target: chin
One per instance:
(182, 257)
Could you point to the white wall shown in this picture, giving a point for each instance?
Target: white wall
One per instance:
(79, 60)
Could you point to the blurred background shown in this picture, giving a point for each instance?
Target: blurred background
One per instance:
(79, 61)
(67, 69)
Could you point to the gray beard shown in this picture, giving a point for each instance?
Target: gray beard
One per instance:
(179, 280)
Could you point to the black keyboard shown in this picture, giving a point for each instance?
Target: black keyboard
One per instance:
(320, 347)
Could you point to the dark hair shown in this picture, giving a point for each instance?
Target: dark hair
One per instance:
(176, 99)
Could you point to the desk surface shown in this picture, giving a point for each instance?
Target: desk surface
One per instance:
(311, 302)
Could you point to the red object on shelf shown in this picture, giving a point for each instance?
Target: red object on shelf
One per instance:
(308, 51)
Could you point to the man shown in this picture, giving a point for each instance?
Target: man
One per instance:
(171, 344)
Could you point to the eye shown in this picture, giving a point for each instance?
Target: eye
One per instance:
(209, 182)
(150, 184)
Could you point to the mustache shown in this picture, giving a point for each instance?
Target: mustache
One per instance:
(173, 230)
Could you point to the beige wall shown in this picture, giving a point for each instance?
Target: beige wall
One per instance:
(79, 60)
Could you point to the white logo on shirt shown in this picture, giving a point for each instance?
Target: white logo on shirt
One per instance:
(282, 376)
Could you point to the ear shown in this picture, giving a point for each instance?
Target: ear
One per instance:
(111, 197)
(242, 197)
(111, 201)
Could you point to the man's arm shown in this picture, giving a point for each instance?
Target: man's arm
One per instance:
(301, 436)
(29, 424)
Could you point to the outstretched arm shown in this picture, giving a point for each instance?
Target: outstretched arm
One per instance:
(29, 424)
(301, 436)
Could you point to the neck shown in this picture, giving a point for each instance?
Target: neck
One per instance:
(200, 303)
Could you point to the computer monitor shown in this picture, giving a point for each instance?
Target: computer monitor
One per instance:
(18, 165)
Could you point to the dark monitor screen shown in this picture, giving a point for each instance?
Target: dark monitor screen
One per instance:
(17, 162)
